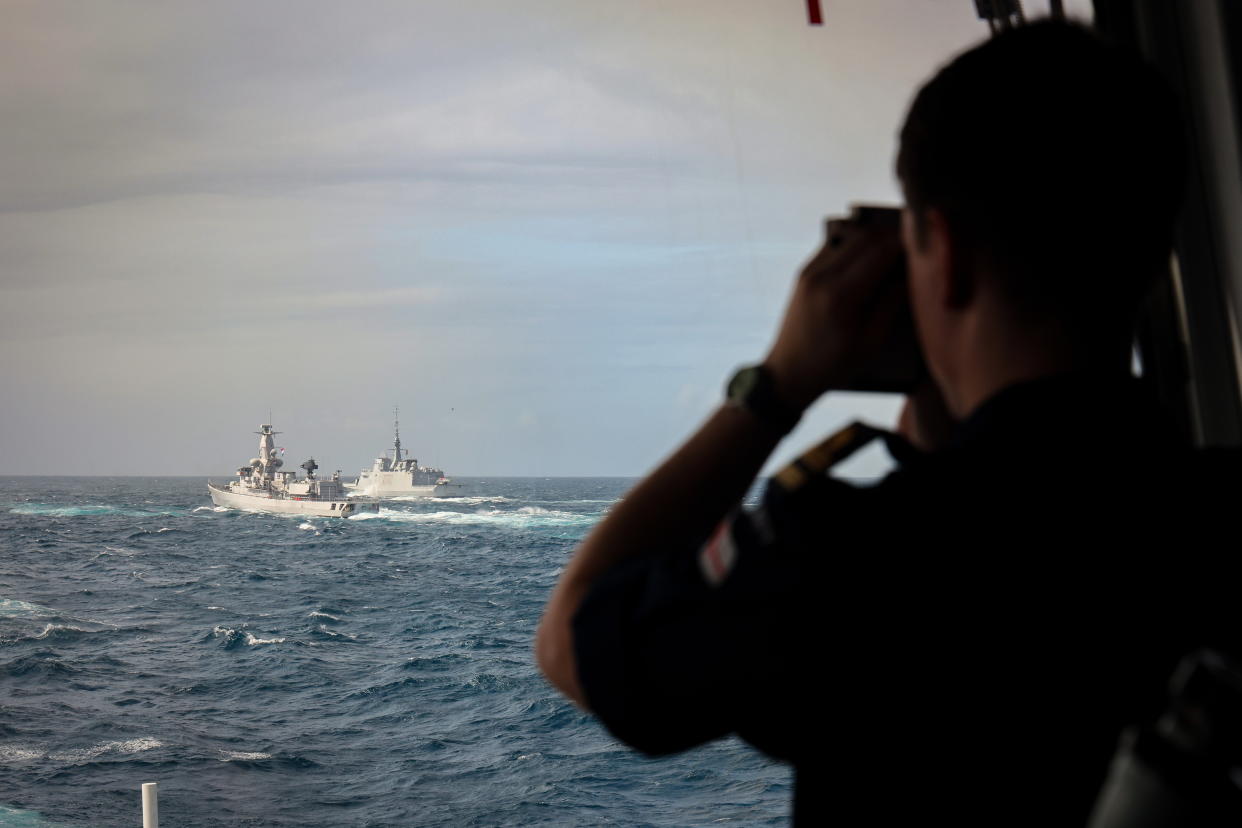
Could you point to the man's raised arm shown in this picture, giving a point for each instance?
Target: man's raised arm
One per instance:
(840, 312)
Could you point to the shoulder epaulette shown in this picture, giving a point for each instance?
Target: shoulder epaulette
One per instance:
(825, 455)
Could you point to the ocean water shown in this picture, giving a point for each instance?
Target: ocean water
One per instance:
(280, 671)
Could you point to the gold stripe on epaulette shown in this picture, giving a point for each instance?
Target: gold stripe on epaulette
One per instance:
(825, 455)
(791, 477)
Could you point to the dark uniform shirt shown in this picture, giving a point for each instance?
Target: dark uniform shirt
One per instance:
(964, 640)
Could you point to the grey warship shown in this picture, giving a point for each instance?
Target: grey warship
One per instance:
(401, 475)
(262, 487)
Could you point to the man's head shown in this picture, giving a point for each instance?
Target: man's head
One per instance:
(1042, 172)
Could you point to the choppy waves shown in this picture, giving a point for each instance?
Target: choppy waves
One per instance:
(119, 748)
(89, 510)
(26, 621)
(284, 671)
(230, 638)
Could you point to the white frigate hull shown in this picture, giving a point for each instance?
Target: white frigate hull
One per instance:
(289, 505)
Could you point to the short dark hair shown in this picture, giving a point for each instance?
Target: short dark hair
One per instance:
(1057, 156)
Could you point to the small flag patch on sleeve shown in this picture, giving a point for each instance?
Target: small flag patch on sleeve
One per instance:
(718, 555)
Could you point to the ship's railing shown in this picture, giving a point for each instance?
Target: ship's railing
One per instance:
(150, 805)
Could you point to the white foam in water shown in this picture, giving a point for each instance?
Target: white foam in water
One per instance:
(60, 511)
(123, 747)
(18, 818)
(251, 640)
(335, 634)
(243, 756)
(319, 614)
(17, 753)
(88, 510)
(117, 550)
(468, 501)
(527, 516)
(51, 628)
(13, 607)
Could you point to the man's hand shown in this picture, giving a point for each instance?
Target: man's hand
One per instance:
(842, 311)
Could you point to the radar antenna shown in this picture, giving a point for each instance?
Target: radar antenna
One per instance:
(396, 430)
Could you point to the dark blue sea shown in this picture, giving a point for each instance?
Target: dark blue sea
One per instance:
(279, 671)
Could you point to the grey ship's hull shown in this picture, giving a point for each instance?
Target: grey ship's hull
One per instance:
(396, 484)
(288, 505)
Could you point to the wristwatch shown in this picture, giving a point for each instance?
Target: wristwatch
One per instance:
(753, 389)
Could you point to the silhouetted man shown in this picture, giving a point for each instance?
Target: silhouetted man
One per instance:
(967, 639)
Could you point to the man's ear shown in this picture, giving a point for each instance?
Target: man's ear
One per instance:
(953, 267)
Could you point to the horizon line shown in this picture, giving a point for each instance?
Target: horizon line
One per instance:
(456, 477)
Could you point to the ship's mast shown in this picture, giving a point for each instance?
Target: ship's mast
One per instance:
(396, 430)
(267, 449)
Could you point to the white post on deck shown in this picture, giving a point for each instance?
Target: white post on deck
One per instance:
(150, 805)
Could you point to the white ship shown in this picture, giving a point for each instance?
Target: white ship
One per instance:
(398, 475)
(262, 487)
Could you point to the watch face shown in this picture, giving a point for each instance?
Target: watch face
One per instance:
(743, 383)
(751, 389)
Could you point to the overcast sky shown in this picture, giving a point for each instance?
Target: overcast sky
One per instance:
(547, 230)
